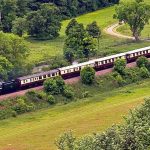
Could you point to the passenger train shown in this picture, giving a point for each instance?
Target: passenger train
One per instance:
(70, 71)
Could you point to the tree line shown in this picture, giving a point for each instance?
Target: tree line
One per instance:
(41, 18)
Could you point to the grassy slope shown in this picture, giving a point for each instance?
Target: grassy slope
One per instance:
(37, 131)
(42, 50)
(126, 30)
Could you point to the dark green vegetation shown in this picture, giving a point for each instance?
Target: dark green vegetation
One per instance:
(136, 14)
(79, 42)
(12, 9)
(13, 53)
(133, 134)
(87, 75)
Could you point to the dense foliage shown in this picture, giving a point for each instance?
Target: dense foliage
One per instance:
(132, 135)
(45, 22)
(13, 53)
(87, 75)
(135, 13)
(11, 10)
(79, 43)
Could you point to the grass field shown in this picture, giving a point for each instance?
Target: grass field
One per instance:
(38, 130)
(43, 50)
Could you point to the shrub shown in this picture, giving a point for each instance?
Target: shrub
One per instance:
(54, 85)
(142, 62)
(131, 75)
(68, 92)
(144, 73)
(87, 75)
(58, 62)
(21, 107)
(118, 78)
(51, 99)
(119, 66)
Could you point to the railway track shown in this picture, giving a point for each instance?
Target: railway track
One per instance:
(67, 81)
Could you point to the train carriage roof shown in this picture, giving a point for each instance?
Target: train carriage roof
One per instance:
(110, 57)
(38, 74)
(138, 50)
(77, 65)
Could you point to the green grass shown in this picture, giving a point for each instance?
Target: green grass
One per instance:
(38, 130)
(125, 29)
(43, 50)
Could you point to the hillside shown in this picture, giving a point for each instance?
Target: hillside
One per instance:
(38, 130)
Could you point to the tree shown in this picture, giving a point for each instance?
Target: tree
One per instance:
(15, 50)
(142, 62)
(45, 22)
(93, 30)
(136, 14)
(69, 55)
(5, 67)
(78, 43)
(70, 25)
(8, 14)
(89, 47)
(87, 75)
(119, 66)
(19, 26)
(22, 7)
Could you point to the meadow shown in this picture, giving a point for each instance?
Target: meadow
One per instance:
(38, 130)
(44, 50)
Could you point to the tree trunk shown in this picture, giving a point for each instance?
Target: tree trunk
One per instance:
(136, 36)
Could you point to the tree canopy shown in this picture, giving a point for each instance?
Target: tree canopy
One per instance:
(135, 13)
(14, 50)
(44, 23)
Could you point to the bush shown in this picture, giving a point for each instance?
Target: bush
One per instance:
(58, 62)
(142, 62)
(21, 107)
(119, 66)
(118, 78)
(51, 100)
(87, 75)
(68, 92)
(131, 75)
(54, 85)
(6, 113)
(144, 73)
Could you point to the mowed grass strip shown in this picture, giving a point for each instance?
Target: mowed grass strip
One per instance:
(38, 130)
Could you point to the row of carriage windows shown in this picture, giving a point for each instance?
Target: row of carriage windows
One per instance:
(40, 77)
(108, 61)
(138, 53)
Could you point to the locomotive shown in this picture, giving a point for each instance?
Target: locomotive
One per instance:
(34, 80)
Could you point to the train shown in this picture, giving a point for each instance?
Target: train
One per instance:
(71, 71)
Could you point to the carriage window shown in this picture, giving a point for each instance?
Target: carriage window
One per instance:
(48, 75)
(53, 74)
(40, 77)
